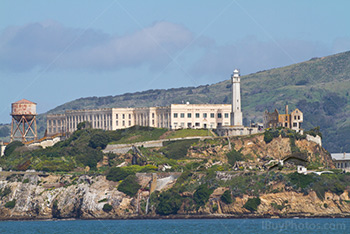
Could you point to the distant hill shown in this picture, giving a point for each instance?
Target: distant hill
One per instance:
(319, 88)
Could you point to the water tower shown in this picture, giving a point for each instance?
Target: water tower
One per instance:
(23, 125)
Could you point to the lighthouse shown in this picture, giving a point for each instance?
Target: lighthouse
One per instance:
(236, 111)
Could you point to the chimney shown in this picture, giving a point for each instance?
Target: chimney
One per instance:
(286, 109)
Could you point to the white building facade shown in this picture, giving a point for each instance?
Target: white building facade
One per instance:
(175, 116)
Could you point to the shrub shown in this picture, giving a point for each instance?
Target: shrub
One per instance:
(103, 200)
(169, 203)
(83, 125)
(10, 204)
(234, 156)
(300, 180)
(252, 204)
(118, 173)
(226, 197)
(5, 191)
(129, 186)
(107, 207)
(25, 181)
(11, 147)
(99, 139)
(177, 149)
(268, 137)
(201, 196)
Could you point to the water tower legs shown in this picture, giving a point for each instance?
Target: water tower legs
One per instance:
(26, 129)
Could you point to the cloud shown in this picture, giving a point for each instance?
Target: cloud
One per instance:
(40, 44)
(252, 55)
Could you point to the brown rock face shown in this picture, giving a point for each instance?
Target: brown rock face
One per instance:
(256, 150)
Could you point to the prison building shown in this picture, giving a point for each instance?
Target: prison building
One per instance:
(174, 116)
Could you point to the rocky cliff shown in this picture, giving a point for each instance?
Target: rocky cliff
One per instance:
(84, 197)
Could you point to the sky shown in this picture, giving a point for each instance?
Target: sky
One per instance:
(52, 52)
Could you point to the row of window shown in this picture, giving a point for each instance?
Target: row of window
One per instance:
(123, 116)
(197, 115)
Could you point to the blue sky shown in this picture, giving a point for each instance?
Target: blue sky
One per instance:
(52, 52)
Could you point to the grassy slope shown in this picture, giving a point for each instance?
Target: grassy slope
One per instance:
(319, 88)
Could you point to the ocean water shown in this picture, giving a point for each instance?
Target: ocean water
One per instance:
(202, 226)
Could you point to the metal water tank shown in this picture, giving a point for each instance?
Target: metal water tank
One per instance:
(23, 108)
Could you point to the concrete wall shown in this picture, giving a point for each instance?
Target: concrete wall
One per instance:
(317, 139)
(47, 143)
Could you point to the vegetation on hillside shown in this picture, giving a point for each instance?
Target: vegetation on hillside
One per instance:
(319, 88)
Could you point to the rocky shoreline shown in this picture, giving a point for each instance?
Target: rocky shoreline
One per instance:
(57, 197)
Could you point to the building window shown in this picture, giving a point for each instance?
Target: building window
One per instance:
(175, 115)
(295, 125)
(286, 125)
(197, 124)
(116, 116)
(129, 123)
(197, 115)
(212, 115)
(152, 121)
(182, 124)
(152, 115)
(129, 116)
(295, 117)
(286, 118)
(219, 115)
(123, 116)
(189, 115)
(182, 115)
(226, 115)
(123, 123)
(205, 115)
(298, 117)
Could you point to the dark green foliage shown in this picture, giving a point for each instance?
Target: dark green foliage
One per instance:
(103, 200)
(99, 139)
(270, 134)
(268, 137)
(314, 132)
(169, 203)
(10, 204)
(226, 197)
(107, 207)
(118, 173)
(5, 191)
(129, 186)
(201, 196)
(177, 149)
(301, 180)
(11, 147)
(63, 156)
(252, 204)
(234, 156)
(293, 147)
(25, 181)
(83, 125)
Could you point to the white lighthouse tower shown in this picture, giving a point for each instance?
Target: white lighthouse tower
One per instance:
(236, 111)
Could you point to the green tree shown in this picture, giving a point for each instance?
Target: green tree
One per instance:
(117, 174)
(83, 125)
(129, 186)
(226, 197)
(252, 204)
(234, 156)
(107, 207)
(169, 203)
(201, 196)
(99, 139)
(11, 147)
